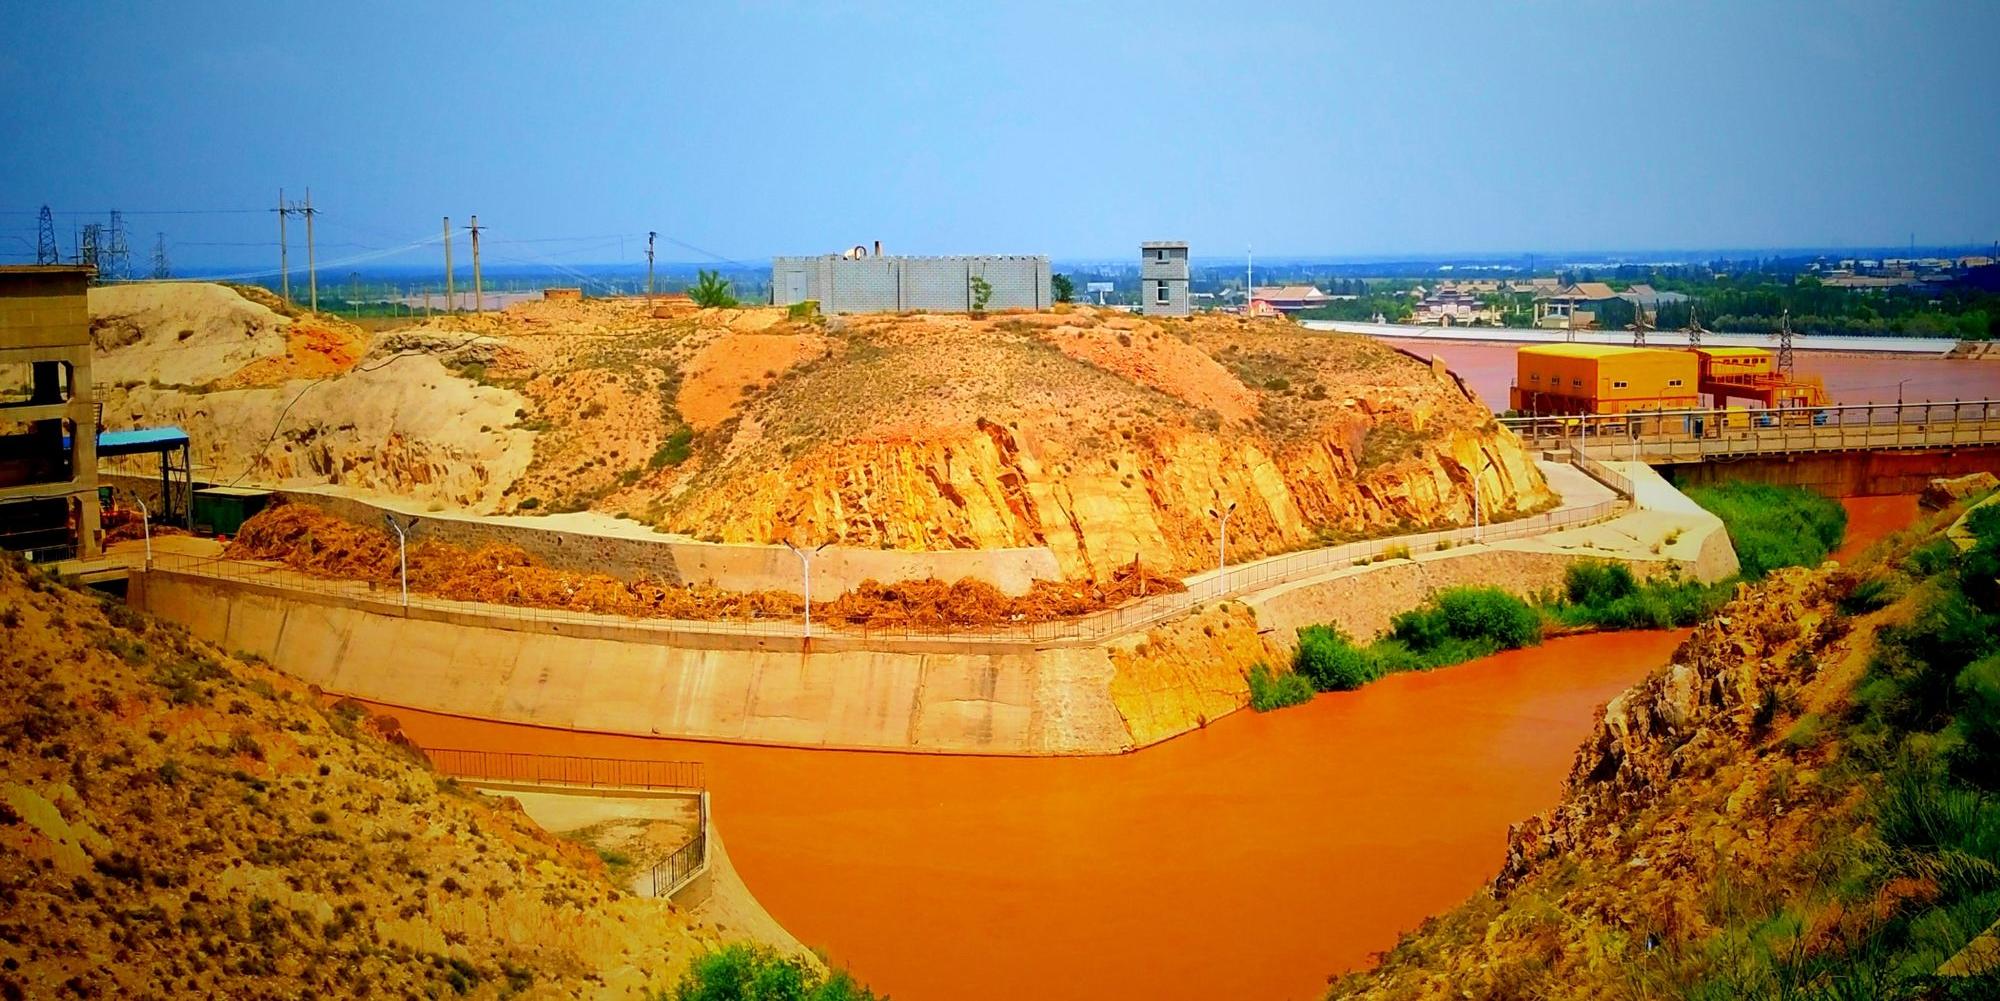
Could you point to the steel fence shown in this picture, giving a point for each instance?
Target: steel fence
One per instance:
(675, 871)
(1700, 434)
(568, 770)
(384, 596)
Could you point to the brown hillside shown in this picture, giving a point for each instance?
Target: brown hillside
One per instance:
(178, 822)
(1098, 434)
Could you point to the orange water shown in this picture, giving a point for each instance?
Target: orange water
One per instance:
(1870, 519)
(1249, 859)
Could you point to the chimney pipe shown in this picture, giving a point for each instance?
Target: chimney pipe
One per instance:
(878, 248)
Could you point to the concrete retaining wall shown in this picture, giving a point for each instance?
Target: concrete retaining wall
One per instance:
(1036, 702)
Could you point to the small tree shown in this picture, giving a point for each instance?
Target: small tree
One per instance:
(711, 289)
(1065, 289)
(982, 292)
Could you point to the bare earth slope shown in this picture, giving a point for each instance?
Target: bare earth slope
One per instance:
(1098, 434)
(177, 822)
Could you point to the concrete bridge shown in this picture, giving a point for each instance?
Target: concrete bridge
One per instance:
(1674, 437)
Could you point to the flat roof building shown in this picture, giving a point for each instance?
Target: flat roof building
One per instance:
(1603, 379)
(1163, 278)
(48, 414)
(860, 282)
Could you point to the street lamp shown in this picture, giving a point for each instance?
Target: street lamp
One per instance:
(145, 527)
(402, 556)
(805, 572)
(1476, 535)
(1222, 545)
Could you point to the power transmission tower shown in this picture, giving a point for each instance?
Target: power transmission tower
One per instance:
(87, 246)
(450, 303)
(45, 239)
(159, 256)
(1694, 328)
(312, 269)
(1785, 344)
(649, 264)
(1639, 325)
(478, 290)
(118, 257)
(284, 250)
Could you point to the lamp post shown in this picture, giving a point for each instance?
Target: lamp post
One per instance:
(145, 527)
(805, 574)
(402, 556)
(1222, 543)
(1476, 520)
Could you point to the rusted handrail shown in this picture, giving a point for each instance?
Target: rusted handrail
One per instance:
(569, 770)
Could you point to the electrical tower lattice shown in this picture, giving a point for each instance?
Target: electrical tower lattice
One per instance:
(45, 239)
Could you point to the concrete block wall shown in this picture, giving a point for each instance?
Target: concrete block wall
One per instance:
(893, 284)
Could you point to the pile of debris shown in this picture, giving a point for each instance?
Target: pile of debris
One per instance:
(309, 539)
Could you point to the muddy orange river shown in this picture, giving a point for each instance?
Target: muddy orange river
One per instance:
(1870, 519)
(1249, 859)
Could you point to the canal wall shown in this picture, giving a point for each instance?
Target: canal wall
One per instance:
(1844, 474)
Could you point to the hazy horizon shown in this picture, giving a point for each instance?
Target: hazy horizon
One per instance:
(1355, 132)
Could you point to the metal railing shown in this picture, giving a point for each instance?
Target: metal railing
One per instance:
(675, 871)
(568, 770)
(1701, 434)
(383, 598)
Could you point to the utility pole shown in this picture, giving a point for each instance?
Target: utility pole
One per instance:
(1785, 344)
(45, 239)
(312, 268)
(1249, 281)
(159, 256)
(284, 250)
(649, 264)
(478, 291)
(450, 303)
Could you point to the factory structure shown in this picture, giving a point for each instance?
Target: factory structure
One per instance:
(864, 281)
(48, 416)
(1163, 278)
(1569, 378)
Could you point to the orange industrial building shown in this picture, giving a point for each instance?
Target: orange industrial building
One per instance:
(1752, 374)
(1604, 379)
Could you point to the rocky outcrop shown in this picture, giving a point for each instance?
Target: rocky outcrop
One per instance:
(1186, 672)
(1723, 691)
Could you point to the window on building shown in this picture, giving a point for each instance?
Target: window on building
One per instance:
(1576, 384)
(1618, 384)
(1673, 382)
(1159, 253)
(27, 383)
(1535, 377)
(1160, 296)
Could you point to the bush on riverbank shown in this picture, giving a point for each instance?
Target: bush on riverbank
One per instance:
(1455, 625)
(1773, 526)
(740, 972)
(1605, 595)
(1270, 691)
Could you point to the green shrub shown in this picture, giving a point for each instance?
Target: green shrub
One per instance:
(1330, 661)
(1268, 691)
(675, 450)
(1472, 616)
(740, 972)
(1598, 582)
(1774, 526)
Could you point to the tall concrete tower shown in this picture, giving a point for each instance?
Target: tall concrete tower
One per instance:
(1163, 278)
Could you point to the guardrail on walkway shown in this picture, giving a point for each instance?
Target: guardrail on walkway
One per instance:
(671, 874)
(668, 876)
(382, 597)
(567, 770)
(1703, 434)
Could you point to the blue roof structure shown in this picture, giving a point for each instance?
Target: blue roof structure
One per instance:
(140, 440)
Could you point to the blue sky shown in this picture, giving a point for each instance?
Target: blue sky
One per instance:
(1016, 127)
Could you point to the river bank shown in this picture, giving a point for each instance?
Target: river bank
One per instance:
(1249, 858)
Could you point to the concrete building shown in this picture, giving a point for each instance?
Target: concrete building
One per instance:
(1572, 305)
(1163, 278)
(1603, 379)
(1447, 305)
(1289, 298)
(872, 283)
(48, 414)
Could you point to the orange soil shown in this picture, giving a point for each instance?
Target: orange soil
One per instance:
(307, 538)
(1871, 519)
(314, 349)
(1139, 352)
(125, 524)
(717, 374)
(1248, 859)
